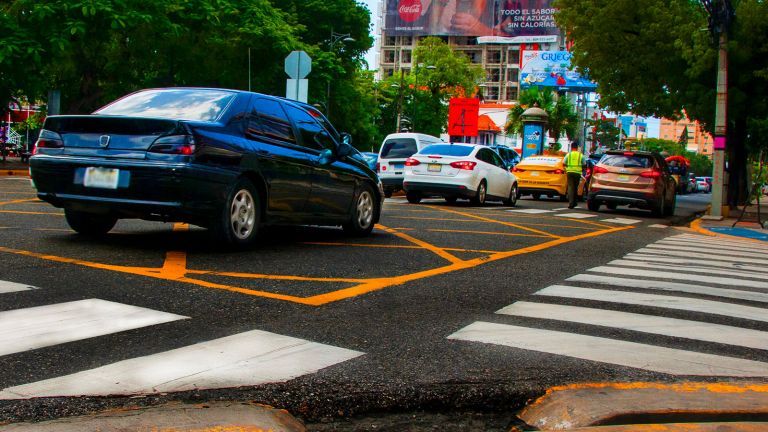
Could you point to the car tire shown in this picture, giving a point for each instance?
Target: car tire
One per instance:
(480, 195)
(413, 197)
(513, 194)
(451, 199)
(362, 214)
(669, 210)
(89, 224)
(593, 205)
(536, 196)
(660, 207)
(387, 193)
(238, 222)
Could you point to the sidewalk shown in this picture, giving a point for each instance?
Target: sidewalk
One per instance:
(13, 166)
(746, 229)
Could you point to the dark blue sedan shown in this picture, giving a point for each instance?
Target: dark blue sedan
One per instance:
(227, 160)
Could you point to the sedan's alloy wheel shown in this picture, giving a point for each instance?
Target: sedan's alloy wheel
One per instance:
(242, 214)
(364, 209)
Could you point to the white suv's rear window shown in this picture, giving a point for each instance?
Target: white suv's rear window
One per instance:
(398, 148)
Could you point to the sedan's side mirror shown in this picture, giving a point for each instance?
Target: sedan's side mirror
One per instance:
(325, 157)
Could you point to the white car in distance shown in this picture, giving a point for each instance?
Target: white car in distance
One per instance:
(454, 171)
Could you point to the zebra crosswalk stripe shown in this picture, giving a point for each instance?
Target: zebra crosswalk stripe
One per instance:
(9, 287)
(703, 262)
(688, 269)
(671, 286)
(674, 327)
(245, 359)
(711, 246)
(42, 326)
(658, 301)
(679, 276)
(702, 254)
(709, 249)
(718, 241)
(631, 354)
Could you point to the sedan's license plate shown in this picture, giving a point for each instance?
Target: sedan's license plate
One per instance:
(434, 167)
(534, 173)
(105, 178)
(623, 178)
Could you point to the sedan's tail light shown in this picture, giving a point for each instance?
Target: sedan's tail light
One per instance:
(466, 165)
(412, 162)
(49, 139)
(558, 171)
(174, 144)
(516, 169)
(651, 174)
(599, 170)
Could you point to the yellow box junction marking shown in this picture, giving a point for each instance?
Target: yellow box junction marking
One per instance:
(174, 267)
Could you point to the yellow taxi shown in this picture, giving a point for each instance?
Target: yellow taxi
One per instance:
(543, 175)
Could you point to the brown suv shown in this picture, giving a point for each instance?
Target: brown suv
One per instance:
(638, 179)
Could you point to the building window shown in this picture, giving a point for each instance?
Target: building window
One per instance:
(493, 57)
(389, 56)
(407, 40)
(512, 93)
(493, 75)
(513, 56)
(405, 56)
(388, 72)
(513, 75)
(491, 93)
(475, 57)
(390, 41)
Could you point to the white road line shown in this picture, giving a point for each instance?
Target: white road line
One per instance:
(720, 241)
(641, 356)
(686, 329)
(702, 255)
(710, 248)
(659, 301)
(689, 269)
(245, 359)
(622, 221)
(576, 215)
(679, 276)
(671, 286)
(685, 261)
(658, 226)
(9, 287)
(531, 211)
(42, 326)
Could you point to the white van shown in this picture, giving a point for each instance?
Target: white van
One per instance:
(395, 149)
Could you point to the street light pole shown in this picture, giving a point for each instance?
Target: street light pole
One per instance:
(721, 15)
(335, 39)
(400, 101)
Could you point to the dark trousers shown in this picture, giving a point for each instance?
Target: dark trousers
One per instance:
(573, 188)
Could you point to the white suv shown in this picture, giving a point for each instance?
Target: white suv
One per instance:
(395, 149)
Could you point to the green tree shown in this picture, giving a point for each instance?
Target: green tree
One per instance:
(659, 60)
(563, 118)
(606, 133)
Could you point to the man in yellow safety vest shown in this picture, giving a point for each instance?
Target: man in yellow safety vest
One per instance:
(574, 166)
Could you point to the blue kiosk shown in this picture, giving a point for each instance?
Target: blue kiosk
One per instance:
(535, 122)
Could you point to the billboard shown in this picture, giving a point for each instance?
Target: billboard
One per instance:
(551, 69)
(501, 18)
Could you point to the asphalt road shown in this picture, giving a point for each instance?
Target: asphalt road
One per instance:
(417, 317)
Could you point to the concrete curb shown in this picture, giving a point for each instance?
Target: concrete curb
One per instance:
(696, 226)
(600, 404)
(213, 417)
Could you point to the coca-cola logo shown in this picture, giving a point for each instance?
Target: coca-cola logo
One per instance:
(409, 10)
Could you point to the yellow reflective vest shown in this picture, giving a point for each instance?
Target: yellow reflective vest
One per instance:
(573, 162)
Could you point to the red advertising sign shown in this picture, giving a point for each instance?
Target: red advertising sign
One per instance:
(462, 116)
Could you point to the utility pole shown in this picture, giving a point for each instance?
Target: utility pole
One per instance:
(721, 14)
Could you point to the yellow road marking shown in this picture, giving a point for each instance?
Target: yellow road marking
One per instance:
(438, 251)
(502, 223)
(31, 213)
(374, 246)
(19, 201)
(431, 219)
(488, 233)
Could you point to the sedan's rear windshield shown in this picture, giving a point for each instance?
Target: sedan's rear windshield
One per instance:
(176, 104)
(398, 148)
(626, 161)
(447, 150)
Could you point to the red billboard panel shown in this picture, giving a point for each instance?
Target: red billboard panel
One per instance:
(501, 18)
(463, 116)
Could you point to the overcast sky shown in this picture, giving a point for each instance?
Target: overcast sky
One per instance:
(372, 6)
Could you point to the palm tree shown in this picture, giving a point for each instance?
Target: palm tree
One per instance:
(562, 115)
